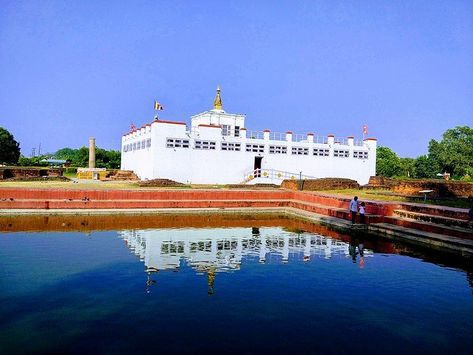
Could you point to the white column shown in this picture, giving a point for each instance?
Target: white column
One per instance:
(262, 250)
(307, 248)
(289, 136)
(285, 249)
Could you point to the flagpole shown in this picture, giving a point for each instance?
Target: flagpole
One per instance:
(157, 107)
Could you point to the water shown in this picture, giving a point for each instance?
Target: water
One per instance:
(224, 285)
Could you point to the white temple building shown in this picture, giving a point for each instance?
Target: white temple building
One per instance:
(218, 149)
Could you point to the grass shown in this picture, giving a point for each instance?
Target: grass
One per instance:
(386, 195)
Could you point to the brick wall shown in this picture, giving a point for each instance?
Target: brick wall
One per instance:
(20, 173)
(441, 188)
(321, 184)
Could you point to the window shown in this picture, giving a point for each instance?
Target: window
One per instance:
(207, 145)
(148, 143)
(134, 146)
(320, 152)
(231, 146)
(256, 148)
(226, 130)
(143, 144)
(341, 153)
(176, 143)
(237, 131)
(360, 154)
(300, 151)
(277, 149)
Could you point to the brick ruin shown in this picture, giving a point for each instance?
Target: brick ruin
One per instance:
(22, 173)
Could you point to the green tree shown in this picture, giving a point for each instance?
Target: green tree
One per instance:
(109, 159)
(65, 153)
(33, 161)
(454, 153)
(407, 167)
(9, 148)
(387, 162)
(425, 167)
(81, 157)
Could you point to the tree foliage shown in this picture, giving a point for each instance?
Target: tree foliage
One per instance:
(33, 161)
(425, 167)
(388, 163)
(9, 148)
(407, 167)
(109, 159)
(454, 153)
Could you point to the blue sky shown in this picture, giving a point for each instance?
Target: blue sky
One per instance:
(74, 69)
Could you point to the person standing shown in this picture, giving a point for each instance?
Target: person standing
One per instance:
(362, 212)
(354, 209)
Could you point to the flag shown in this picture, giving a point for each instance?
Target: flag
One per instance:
(158, 106)
(365, 129)
(132, 127)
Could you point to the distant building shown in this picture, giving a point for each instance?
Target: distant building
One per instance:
(218, 149)
(57, 162)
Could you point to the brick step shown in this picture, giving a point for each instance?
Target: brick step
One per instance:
(443, 211)
(126, 204)
(448, 221)
(341, 213)
(430, 227)
(465, 246)
(372, 207)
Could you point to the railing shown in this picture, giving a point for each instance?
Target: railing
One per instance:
(277, 136)
(254, 134)
(282, 137)
(320, 139)
(299, 138)
(274, 174)
(340, 140)
(358, 142)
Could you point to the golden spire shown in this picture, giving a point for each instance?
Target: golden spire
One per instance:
(218, 100)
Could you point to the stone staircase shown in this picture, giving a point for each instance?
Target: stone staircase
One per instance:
(438, 221)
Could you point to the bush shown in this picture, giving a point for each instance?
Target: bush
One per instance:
(70, 170)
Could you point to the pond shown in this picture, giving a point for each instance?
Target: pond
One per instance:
(224, 284)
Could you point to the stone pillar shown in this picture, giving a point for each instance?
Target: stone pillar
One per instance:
(91, 153)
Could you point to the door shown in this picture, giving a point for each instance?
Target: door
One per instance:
(257, 167)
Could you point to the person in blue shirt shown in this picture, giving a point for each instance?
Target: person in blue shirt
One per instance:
(354, 209)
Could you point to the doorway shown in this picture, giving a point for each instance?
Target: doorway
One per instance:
(257, 167)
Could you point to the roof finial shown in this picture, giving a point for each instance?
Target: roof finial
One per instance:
(218, 100)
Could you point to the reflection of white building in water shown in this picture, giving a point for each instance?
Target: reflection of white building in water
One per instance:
(217, 148)
(222, 249)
